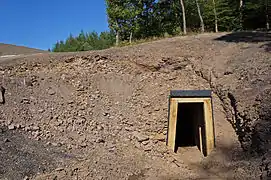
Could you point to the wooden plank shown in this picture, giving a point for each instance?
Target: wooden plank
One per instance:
(172, 123)
(200, 140)
(190, 100)
(209, 129)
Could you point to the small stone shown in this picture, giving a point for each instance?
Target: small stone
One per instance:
(100, 140)
(172, 78)
(118, 128)
(241, 170)
(137, 145)
(105, 114)
(59, 169)
(35, 128)
(6, 140)
(80, 88)
(140, 137)
(41, 110)
(18, 126)
(70, 102)
(145, 142)
(27, 128)
(51, 92)
(99, 128)
(35, 133)
(25, 101)
(100, 177)
(55, 144)
(83, 145)
(26, 178)
(171, 159)
(111, 149)
(11, 127)
(128, 128)
(146, 105)
(159, 137)
(147, 148)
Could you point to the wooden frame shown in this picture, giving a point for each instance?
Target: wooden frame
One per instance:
(207, 140)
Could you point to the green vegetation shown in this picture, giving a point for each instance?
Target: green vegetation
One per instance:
(85, 42)
(134, 20)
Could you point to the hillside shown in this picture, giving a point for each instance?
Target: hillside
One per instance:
(9, 49)
(103, 114)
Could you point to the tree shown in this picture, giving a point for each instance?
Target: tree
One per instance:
(85, 42)
(114, 12)
(200, 16)
(241, 13)
(267, 14)
(183, 15)
(215, 14)
(138, 19)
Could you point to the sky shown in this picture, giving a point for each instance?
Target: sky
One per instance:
(41, 23)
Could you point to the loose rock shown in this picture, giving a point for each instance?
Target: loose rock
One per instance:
(11, 127)
(140, 137)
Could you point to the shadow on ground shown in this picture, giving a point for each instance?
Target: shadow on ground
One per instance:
(249, 37)
(21, 157)
(229, 162)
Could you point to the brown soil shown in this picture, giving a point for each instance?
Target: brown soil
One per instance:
(81, 115)
(8, 49)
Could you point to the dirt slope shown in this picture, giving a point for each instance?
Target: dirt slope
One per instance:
(103, 115)
(9, 49)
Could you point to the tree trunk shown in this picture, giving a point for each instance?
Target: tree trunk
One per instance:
(241, 13)
(200, 17)
(117, 38)
(267, 23)
(131, 36)
(216, 26)
(267, 17)
(184, 19)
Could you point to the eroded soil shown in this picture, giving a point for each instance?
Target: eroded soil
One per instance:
(103, 114)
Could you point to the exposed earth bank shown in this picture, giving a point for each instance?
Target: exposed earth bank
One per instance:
(103, 114)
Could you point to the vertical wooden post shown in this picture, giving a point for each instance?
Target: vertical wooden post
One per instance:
(200, 140)
(172, 123)
(208, 118)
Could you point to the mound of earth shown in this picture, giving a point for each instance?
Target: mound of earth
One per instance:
(9, 49)
(103, 114)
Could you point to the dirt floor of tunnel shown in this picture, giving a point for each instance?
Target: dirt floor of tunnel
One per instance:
(189, 118)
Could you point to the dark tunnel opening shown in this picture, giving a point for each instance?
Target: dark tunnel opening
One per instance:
(190, 130)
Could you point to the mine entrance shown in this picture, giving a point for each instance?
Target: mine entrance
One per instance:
(190, 129)
(190, 121)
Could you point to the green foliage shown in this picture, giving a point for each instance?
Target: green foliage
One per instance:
(147, 18)
(228, 15)
(86, 42)
(144, 19)
(254, 14)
